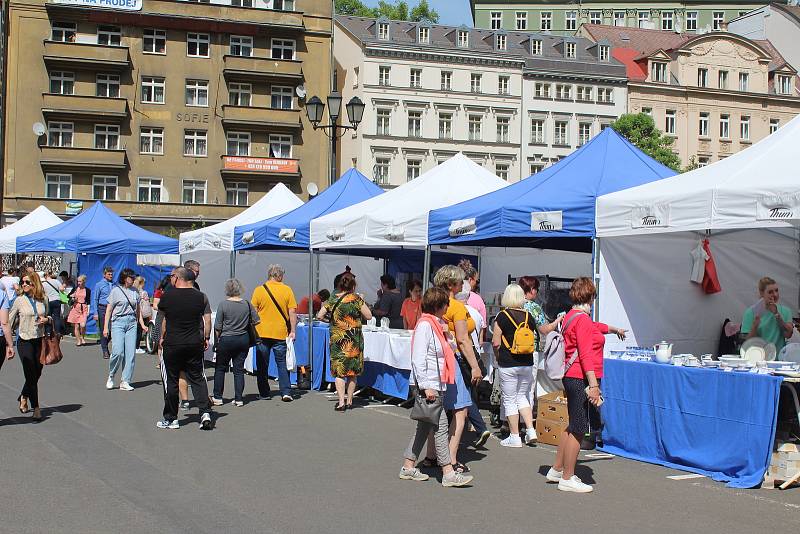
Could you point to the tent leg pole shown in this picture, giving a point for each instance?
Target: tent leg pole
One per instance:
(233, 264)
(311, 264)
(596, 276)
(426, 269)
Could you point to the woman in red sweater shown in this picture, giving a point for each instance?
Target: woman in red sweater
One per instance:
(581, 381)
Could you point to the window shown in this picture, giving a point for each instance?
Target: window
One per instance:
(717, 18)
(702, 130)
(382, 166)
(155, 41)
(106, 136)
(236, 193)
(774, 124)
(702, 161)
(723, 79)
(604, 52)
(283, 49)
(109, 35)
(503, 84)
(62, 83)
(413, 168)
(502, 129)
(282, 97)
(195, 143)
(64, 32)
(149, 189)
(104, 187)
(744, 81)
(584, 93)
(152, 90)
(563, 92)
(667, 20)
(194, 192)
(536, 168)
(383, 75)
(197, 93)
(463, 38)
(702, 77)
(561, 133)
(669, 122)
(521, 20)
(501, 42)
(536, 47)
(475, 83)
(108, 85)
(537, 131)
(605, 95)
(445, 125)
(571, 22)
(595, 17)
(570, 49)
(475, 122)
(542, 90)
(415, 124)
(584, 133)
(283, 5)
(60, 134)
(447, 80)
(424, 35)
(383, 31)
(619, 18)
(496, 20)
(659, 71)
(241, 45)
(744, 128)
(725, 126)
(501, 170)
(239, 94)
(197, 44)
(643, 19)
(691, 21)
(784, 85)
(546, 21)
(58, 185)
(238, 144)
(151, 140)
(383, 122)
(416, 78)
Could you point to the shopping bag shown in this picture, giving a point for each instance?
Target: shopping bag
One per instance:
(291, 359)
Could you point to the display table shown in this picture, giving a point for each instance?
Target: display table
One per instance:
(719, 424)
(320, 361)
(387, 362)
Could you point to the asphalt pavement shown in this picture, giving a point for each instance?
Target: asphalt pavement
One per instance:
(98, 464)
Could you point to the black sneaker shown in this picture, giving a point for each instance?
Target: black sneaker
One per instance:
(184, 405)
(205, 421)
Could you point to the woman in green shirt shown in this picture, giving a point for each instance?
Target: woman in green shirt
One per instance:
(767, 319)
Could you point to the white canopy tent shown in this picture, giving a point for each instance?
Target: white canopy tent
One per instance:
(747, 205)
(39, 219)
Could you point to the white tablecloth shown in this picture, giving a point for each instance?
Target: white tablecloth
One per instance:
(389, 348)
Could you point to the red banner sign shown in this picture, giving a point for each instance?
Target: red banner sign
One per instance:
(269, 165)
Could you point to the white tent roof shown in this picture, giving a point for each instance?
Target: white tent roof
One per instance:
(757, 187)
(399, 218)
(219, 236)
(39, 219)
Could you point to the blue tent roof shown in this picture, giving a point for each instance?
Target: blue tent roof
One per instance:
(97, 230)
(293, 229)
(561, 197)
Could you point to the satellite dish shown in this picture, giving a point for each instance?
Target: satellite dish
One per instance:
(300, 90)
(312, 189)
(39, 129)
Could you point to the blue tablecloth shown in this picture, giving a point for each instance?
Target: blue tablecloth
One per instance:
(320, 357)
(719, 424)
(386, 379)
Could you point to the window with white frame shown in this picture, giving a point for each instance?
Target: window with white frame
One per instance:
(605, 95)
(151, 140)
(584, 133)
(283, 48)
(283, 5)
(503, 85)
(744, 81)
(58, 185)
(241, 45)
(702, 127)
(702, 161)
(702, 77)
(475, 125)
(584, 93)
(413, 169)
(445, 125)
(238, 144)
(415, 78)
(414, 123)
(383, 75)
(60, 134)
(236, 193)
(463, 38)
(501, 42)
(542, 90)
(149, 189)
(383, 31)
(658, 71)
(195, 143)
(717, 19)
(496, 20)
(570, 50)
(280, 146)
(571, 20)
(154, 41)
(725, 126)
(503, 124)
(475, 83)
(446, 80)
(722, 79)
(424, 35)
(537, 131)
(152, 90)
(197, 44)
(691, 21)
(536, 168)
(194, 192)
(595, 17)
(667, 20)
(239, 94)
(546, 21)
(669, 122)
(536, 47)
(197, 93)
(784, 84)
(106, 136)
(643, 18)
(561, 133)
(774, 124)
(109, 35)
(744, 128)
(383, 121)
(235, 3)
(501, 170)
(521, 18)
(104, 187)
(107, 85)
(282, 97)
(62, 83)
(604, 52)
(382, 168)
(64, 32)
(619, 18)
(563, 91)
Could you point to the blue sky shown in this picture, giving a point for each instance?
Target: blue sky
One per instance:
(451, 12)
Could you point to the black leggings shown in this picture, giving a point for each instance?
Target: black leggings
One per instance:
(29, 350)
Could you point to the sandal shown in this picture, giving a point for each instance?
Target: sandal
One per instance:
(23, 405)
(429, 462)
(458, 467)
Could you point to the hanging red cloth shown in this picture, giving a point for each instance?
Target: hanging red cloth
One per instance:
(710, 280)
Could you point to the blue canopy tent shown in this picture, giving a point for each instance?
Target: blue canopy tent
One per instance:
(550, 208)
(99, 237)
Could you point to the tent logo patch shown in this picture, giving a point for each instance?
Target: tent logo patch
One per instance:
(656, 216)
(462, 227)
(547, 221)
(778, 208)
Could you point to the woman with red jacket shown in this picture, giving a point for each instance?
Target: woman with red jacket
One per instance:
(581, 380)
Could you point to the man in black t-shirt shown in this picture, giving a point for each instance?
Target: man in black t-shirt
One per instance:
(184, 307)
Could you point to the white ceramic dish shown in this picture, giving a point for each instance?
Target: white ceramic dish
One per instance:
(732, 360)
(757, 349)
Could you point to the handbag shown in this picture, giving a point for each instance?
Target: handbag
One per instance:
(252, 334)
(50, 353)
(424, 410)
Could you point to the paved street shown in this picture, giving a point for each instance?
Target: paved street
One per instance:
(98, 464)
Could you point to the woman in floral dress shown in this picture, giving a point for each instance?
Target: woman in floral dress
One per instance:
(347, 341)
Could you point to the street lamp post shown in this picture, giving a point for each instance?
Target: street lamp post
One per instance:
(315, 108)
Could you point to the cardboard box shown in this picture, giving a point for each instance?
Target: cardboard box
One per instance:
(549, 430)
(553, 407)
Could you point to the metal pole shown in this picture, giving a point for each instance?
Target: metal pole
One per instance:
(233, 264)
(596, 276)
(426, 269)
(333, 154)
(311, 313)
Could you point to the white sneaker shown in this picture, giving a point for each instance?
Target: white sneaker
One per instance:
(140, 351)
(205, 421)
(456, 479)
(512, 441)
(216, 402)
(553, 475)
(172, 425)
(238, 403)
(124, 386)
(530, 436)
(574, 484)
(110, 383)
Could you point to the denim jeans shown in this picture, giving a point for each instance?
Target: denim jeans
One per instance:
(123, 347)
(263, 349)
(231, 349)
(101, 317)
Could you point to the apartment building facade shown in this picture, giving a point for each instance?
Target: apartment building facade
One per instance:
(777, 23)
(175, 113)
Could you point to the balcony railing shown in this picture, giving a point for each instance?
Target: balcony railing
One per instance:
(87, 56)
(259, 118)
(58, 157)
(250, 67)
(79, 107)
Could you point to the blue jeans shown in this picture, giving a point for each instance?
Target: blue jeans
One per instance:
(278, 348)
(231, 349)
(123, 336)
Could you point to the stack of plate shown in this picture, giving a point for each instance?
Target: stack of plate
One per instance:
(757, 349)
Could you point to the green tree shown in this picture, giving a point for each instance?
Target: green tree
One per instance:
(355, 8)
(394, 10)
(423, 12)
(639, 129)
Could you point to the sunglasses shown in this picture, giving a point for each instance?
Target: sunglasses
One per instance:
(26, 283)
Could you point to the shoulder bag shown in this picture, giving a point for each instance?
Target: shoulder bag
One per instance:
(50, 353)
(424, 410)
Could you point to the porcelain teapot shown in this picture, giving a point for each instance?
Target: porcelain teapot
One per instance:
(663, 352)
